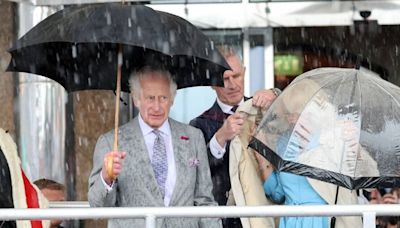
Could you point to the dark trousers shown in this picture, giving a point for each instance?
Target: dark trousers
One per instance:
(231, 223)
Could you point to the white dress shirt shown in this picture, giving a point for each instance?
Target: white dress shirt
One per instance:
(217, 150)
(149, 138)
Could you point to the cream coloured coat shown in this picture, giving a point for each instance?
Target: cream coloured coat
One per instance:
(247, 188)
(246, 185)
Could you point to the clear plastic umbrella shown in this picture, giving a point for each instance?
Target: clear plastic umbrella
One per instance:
(340, 126)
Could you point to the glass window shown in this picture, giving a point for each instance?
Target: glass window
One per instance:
(301, 49)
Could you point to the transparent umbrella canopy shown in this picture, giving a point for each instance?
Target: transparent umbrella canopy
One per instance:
(340, 126)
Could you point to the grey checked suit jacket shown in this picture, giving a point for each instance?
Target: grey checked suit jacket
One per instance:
(136, 186)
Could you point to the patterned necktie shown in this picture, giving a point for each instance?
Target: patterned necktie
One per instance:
(159, 161)
(233, 109)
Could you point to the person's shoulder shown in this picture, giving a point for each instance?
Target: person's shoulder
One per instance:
(214, 113)
(188, 128)
(122, 129)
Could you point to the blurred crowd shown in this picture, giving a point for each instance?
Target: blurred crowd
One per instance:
(383, 196)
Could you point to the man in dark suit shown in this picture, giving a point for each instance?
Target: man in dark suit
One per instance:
(220, 124)
(164, 163)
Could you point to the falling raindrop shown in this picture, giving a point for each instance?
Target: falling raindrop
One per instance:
(172, 37)
(108, 17)
(89, 81)
(129, 22)
(212, 45)
(76, 78)
(57, 57)
(110, 56)
(192, 76)
(166, 47)
(133, 15)
(208, 74)
(74, 54)
(139, 31)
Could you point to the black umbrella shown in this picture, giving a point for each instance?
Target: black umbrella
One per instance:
(78, 47)
(336, 125)
(85, 47)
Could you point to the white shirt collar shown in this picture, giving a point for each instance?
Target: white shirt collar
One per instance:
(227, 108)
(146, 129)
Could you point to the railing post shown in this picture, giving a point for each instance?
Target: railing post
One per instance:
(150, 221)
(369, 219)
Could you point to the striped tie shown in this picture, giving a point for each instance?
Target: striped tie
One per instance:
(159, 161)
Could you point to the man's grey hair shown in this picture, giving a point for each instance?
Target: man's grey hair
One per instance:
(136, 77)
(229, 51)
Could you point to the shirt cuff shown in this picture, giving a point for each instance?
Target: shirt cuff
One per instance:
(216, 150)
(108, 187)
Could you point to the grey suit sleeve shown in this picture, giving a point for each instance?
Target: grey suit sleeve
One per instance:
(203, 191)
(98, 194)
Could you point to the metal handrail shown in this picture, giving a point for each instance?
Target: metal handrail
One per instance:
(81, 211)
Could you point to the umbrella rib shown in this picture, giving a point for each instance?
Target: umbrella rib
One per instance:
(386, 91)
(359, 127)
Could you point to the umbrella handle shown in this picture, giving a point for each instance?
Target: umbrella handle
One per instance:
(110, 159)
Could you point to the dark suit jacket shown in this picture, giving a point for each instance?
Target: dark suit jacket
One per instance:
(209, 122)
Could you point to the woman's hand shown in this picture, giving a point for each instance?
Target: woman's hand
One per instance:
(264, 165)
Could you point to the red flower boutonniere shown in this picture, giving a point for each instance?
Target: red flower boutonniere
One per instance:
(184, 138)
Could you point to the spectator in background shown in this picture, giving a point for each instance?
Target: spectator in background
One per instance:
(385, 196)
(53, 191)
(16, 191)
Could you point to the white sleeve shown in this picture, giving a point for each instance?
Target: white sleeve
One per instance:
(216, 150)
(108, 187)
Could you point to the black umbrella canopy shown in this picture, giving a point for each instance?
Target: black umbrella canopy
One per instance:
(336, 125)
(78, 47)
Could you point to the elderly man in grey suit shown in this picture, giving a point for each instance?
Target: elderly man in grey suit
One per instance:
(164, 162)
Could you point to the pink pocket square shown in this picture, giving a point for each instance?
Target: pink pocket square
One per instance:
(194, 162)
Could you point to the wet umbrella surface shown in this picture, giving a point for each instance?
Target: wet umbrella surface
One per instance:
(78, 47)
(336, 125)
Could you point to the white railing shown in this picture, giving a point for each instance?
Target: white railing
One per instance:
(81, 210)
